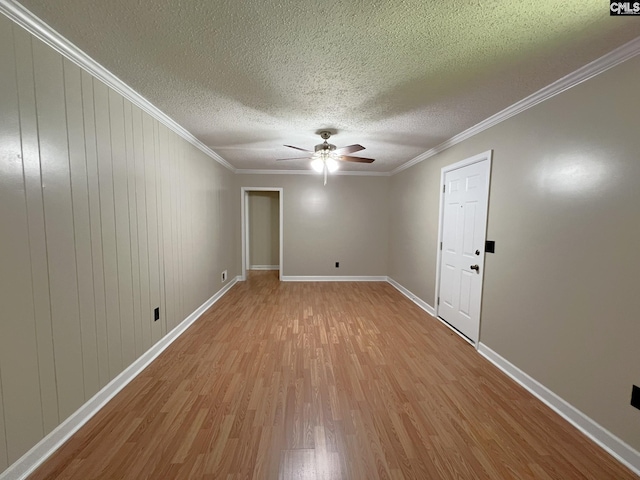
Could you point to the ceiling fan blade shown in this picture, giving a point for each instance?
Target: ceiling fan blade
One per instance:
(348, 149)
(294, 158)
(347, 158)
(298, 148)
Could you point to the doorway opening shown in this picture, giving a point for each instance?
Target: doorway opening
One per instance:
(262, 229)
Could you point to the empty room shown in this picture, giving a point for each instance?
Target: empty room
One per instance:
(319, 240)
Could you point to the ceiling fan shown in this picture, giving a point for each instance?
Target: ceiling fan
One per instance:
(325, 157)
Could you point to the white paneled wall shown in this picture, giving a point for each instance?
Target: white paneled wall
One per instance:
(105, 214)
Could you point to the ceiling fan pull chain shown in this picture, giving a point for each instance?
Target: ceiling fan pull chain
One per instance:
(325, 174)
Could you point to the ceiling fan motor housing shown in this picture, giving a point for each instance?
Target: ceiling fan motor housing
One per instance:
(324, 147)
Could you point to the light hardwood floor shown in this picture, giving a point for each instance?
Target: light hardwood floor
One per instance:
(325, 381)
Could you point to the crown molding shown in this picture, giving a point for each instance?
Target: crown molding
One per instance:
(51, 37)
(311, 172)
(27, 20)
(607, 61)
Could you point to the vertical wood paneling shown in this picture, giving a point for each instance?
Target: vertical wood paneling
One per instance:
(123, 235)
(216, 202)
(179, 172)
(179, 185)
(167, 231)
(188, 277)
(110, 216)
(82, 226)
(186, 235)
(166, 146)
(149, 133)
(18, 348)
(37, 239)
(107, 214)
(200, 275)
(161, 152)
(182, 227)
(170, 186)
(187, 246)
(133, 228)
(58, 210)
(206, 233)
(141, 207)
(96, 228)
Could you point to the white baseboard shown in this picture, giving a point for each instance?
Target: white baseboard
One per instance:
(311, 278)
(41, 451)
(426, 307)
(264, 267)
(414, 298)
(601, 436)
(31, 460)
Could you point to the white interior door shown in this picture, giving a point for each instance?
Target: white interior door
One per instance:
(463, 234)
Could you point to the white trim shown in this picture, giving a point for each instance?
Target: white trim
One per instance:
(607, 61)
(601, 436)
(48, 35)
(329, 278)
(465, 163)
(246, 237)
(31, 460)
(264, 267)
(244, 226)
(413, 297)
(248, 171)
(425, 306)
(481, 157)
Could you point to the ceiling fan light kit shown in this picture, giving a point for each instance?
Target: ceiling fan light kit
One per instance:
(326, 157)
(319, 163)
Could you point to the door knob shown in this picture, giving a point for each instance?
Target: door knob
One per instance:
(475, 267)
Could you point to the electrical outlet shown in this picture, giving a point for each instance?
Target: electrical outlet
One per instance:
(156, 314)
(635, 397)
(224, 276)
(337, 264)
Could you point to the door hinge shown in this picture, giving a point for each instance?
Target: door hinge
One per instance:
(438, 300)
(444, 187)
(440, 245)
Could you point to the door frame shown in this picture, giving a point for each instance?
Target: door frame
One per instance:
(244, 222)
(484, 156)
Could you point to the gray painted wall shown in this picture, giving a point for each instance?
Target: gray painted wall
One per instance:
(345, 221)
(104, 214)
(264, 229)
(561, 297)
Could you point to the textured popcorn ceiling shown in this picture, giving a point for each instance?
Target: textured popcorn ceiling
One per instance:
(399, 77)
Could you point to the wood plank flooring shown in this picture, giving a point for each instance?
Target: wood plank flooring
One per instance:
(325, 381)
